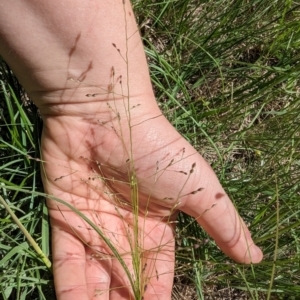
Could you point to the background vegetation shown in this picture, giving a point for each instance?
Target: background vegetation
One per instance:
(226, 74)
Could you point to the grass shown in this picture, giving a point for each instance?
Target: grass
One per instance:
(23, 273)
(226, 74)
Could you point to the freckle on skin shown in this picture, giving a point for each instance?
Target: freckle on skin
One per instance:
(219, 196)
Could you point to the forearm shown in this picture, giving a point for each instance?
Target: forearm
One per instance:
(63, 50)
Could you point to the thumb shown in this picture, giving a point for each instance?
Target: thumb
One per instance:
(215, 212)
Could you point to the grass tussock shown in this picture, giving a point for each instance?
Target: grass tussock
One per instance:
(226, 74)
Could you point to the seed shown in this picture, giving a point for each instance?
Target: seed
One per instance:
(145, 266)
(182, 172)
(195, 192)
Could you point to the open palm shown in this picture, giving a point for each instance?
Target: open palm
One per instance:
(89, 165)
(95, 179)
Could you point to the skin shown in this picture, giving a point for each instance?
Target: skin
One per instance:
(62, 51)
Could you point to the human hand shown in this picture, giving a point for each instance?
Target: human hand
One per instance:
(87, 165)
(105, 144)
